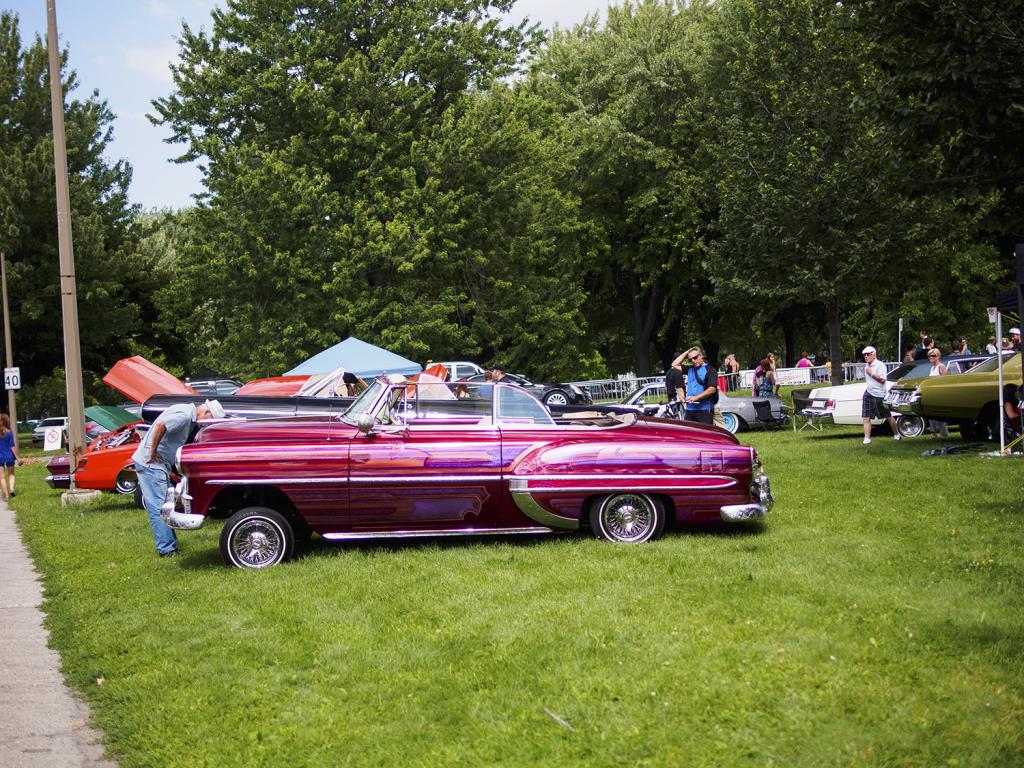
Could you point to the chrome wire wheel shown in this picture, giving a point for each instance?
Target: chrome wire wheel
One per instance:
(910, 426)
(556, 398)
(127, 481)
(627, 518)
(256, 537)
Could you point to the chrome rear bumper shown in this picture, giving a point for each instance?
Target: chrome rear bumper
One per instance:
(754, 510)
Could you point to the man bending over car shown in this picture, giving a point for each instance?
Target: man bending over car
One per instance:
(155, 457)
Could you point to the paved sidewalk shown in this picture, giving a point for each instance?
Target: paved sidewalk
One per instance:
(42, 725)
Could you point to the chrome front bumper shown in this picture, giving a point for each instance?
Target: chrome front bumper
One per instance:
(742, 513)
(181, 519)
(54, 480)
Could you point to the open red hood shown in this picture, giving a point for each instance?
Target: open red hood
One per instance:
(138, 379)
(275, 386)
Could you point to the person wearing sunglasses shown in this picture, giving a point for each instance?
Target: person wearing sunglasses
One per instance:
(937, 369)
(871, 404)
(701, 388)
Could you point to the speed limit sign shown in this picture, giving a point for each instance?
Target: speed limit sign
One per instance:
(12, 378)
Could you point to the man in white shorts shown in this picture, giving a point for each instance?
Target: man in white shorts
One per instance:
(871, 404)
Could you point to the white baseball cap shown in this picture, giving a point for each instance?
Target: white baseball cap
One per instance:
(1015, 331)
(868, 351)
(216, 409)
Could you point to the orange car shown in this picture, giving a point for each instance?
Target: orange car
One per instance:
(106, 464)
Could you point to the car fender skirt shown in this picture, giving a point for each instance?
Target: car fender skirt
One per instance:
(529, 506)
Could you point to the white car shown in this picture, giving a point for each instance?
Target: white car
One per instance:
(461, 370)
(842, 404)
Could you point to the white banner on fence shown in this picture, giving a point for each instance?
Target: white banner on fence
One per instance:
(785, 377)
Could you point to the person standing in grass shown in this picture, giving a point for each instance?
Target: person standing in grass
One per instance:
(156, 455)
(701, 387)
(8, 456)
(937, 369)
(871, 404)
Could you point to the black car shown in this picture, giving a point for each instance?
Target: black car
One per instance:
(549, 394)
(252, 406)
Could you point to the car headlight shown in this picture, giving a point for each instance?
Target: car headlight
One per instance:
(575, 389)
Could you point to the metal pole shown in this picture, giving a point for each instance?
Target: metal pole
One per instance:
(999, 357)
(12, 411)
(1019, 253)
(899, 342)
(68, 297)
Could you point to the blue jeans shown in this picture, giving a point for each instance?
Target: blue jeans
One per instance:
(154, 481)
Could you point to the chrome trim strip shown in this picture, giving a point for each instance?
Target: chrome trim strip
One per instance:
(598, 476)
(533, 510)
(517, 483)
(633, 488)
(522, 483)
(356, 535)
(358, 479)
(276, 481)
(423, 478)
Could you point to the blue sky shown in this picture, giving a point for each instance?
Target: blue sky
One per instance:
(122, 48)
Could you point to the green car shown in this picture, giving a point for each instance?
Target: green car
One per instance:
(970, 400)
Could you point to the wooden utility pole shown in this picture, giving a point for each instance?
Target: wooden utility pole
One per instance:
(68, 295)
(12, 411)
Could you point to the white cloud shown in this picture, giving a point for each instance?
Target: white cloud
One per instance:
(154, 63)
(161, 10)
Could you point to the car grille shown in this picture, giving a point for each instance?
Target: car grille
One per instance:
(899, 396)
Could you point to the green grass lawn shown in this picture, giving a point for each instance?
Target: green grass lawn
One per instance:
(875, 620)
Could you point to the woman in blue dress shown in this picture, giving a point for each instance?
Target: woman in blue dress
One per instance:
(8, 456)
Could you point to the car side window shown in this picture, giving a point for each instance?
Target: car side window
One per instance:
(517, 407)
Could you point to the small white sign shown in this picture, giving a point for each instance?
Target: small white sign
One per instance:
(12, 378)
(789, 376)
(993, 313)
(53, 439)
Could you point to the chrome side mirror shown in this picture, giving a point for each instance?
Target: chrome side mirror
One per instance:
(365, 423)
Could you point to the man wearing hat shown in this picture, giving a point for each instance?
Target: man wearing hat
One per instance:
(1015, 339)
(871, 404)
(155, 457)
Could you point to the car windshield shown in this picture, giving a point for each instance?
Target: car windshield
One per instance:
(898, 373)
(645, 390)
(430, 402)
(991, 364)
(337, 383)
(365, 402)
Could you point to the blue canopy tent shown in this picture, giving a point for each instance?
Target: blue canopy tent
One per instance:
(358, 357)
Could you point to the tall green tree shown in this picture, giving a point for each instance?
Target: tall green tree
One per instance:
(814, 200)
(631, 124)
(336, 138)
(114, 279)
(953, 78)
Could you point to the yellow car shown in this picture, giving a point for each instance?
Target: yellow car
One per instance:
(970, 400)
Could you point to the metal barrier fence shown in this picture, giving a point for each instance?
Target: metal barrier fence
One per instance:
(618, 389)
(855, 371)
